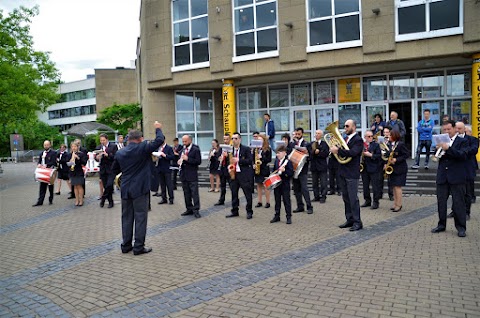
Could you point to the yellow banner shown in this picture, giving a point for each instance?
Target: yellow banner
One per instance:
(476, 98)
(229, 109)
(349, 90)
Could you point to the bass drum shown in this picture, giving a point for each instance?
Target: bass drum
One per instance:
(118, 180)
(46, 175)
(298, 160)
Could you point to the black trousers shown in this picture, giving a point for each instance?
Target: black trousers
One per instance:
(247, 188)
(319, 184)
(283, 192)
(458, 204)
(223, 186)
(190, 193)
(333, 178)
(166, 184)
(43, 192)
(300, 189)
(469, 188)
(373, 179)
(349, 188)
(135, 211)
(382, 183)
(107, 180)
(174, 177)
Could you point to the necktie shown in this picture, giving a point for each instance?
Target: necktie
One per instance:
(346, 139)
(186, 151)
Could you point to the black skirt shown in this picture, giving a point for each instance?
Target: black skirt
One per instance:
(398, 180)
(77, 180)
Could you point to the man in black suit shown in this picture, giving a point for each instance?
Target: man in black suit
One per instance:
(224, 175)
(372, 169)
(333, 178)
(242, 163)
(473, 168)
(470, 167)
(349, 174)
(165, 156)
(134, 161)
(177, 149)
(106, 158)
(190, 160)
(48, 159)
(120, 143)
(300, 184)
(451, 179)
(318, 153)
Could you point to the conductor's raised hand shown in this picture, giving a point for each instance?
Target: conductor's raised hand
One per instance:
(157, 125)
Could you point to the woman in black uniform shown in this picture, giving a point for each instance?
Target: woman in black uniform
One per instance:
(398, 161)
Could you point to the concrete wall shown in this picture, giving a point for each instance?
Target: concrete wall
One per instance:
(115, 86)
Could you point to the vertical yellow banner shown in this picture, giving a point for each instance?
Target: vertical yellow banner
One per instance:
(229, 108)
(476, 98)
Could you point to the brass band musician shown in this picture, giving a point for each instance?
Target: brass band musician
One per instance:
(398, 161)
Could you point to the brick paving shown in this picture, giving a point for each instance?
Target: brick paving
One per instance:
(62, 261)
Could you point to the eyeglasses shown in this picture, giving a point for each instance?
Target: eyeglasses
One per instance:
(347, 126)
(368, 136)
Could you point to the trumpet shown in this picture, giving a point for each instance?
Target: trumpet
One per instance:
(231, 167)
(440, 152)
(72, 160)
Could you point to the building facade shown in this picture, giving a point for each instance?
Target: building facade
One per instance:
(305, 62)
(82, 101)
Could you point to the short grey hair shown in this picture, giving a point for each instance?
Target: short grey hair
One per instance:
(135, 134)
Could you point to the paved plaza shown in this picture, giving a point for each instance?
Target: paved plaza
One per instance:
(64, 261)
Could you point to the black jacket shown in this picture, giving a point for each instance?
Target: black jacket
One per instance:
(189, 168)
(451, 166)
(401, 154)
(351, 170)
(318, 161)
(163, 164)
(79, 163)
(245, 162)
(50, 158)
(106, 162)
(374, 163)
(472, 164)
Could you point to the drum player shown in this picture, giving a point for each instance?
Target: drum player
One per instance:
(300, 187)
(48, 159)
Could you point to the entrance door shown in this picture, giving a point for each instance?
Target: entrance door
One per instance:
(370, 112)
(404, 111)
(302, 118)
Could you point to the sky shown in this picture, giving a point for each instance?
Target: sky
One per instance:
(82, 35)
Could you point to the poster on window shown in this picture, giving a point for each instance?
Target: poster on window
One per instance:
(324, 118)
(302, 119)
(323, 93)
(301, 94)
(375, 90)
(349, 90)
(434, 111)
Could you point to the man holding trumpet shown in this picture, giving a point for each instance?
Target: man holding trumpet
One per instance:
(105, 156)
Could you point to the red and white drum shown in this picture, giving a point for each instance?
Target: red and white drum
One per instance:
(298, 160)
(45, 175)
(272, 182)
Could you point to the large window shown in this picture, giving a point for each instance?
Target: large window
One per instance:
(190, 34)
(333, 24)
(255, 27)
(77, 95)
(195, 117)
(418, 19)
(72, 112)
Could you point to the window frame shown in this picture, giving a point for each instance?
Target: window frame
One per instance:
(427, 34)
(190, 42)
(334, 45)
(255, 30)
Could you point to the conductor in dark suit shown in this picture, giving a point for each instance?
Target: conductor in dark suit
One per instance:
(242, 163)
(106, 158)
(48, 159)
(162, 166)
(134, 161)
(190, 160)
(372, 169)
(319, 152)
(451, 179)
(349, 174)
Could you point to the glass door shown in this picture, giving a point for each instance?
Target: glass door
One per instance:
(302, 118)
(369, 114)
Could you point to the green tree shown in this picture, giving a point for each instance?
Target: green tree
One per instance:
(28, 79)
(121, 117)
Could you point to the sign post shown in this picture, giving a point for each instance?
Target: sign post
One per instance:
(476, 98)
(229, 107)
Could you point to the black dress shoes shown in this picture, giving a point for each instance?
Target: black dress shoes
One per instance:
(162, 202)
(219, 203)
(71, 197)
(171, 202)
(258, 205)
(374, 206)
(110, 205)
(345, 225)
(102, 203)
(438, 229)
(356, 227)
(275, 219)
(390, 197)
(310, 211)
(37, 204)
(50, 202)
(186, 213)
(126, 249)
(197, 214)
(322, 200)
(316, 199)
(267, 205)
(144, 250)
(450, 215)
(467, 217)
(461, 233)
(289, 221)
(232, 215)
(57, 193)
(397, 209)
(330, 192)
(249, 216)
(297, 210)
(365, 204)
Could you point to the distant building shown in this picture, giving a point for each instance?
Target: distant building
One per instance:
(81, 101)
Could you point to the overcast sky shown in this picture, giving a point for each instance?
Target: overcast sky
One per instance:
(84, 34)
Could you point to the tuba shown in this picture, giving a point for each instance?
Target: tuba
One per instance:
(334, 138)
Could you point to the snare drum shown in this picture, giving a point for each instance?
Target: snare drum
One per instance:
(298, 160)
(272, 182)
(45, 175)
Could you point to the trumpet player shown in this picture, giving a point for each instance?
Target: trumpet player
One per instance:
(223, 170)
(397, 160)
(372, 169)
(76, 174)
(264, 155)
(349, 174)
(451, 179)
(106, 158)
(164, 174)
(318, 153)
(189, 162)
